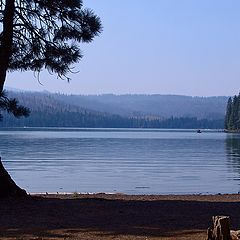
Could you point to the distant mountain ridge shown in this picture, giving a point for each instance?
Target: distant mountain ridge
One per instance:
(151, 111)
(162, 106)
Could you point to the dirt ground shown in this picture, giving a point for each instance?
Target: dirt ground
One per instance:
(117, 216)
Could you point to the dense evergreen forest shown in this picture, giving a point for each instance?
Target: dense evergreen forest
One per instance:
(47, 110)
(232, 118)
(47, 118)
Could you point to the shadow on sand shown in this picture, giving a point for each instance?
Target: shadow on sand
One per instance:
(64, 218)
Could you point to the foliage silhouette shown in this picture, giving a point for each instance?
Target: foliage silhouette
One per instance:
(39, 34)
(36, 35)
(11, 105)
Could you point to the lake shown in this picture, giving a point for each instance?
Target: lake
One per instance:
(132, 161)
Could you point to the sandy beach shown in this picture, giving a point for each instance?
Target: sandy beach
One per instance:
(114, 216)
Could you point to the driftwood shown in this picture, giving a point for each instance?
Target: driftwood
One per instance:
(221, 229)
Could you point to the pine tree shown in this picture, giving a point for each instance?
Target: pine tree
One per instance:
(238, 113)
(232, 117)
(228, 114)
(235, 112)
(38, 34)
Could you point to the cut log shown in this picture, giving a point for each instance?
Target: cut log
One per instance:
(209, 233)
(220, 230)
(8, 187)
(234, 235)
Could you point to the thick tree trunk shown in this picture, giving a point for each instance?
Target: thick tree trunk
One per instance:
(6, 41)
(8, 187)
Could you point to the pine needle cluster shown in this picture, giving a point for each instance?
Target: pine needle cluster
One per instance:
(46, 34)
(11, 105)
(42, 34)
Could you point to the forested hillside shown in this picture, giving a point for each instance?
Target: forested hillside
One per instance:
(232, 118)
(164, 106)
(106, 111)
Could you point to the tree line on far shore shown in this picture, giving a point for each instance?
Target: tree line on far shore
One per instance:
(49, 111)
(66, 118)
(232, 117)
(46, 111)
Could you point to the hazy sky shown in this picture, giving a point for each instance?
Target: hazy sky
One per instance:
(189, 47)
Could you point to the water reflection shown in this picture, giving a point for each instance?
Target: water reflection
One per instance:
(233, 152)
(134, 162)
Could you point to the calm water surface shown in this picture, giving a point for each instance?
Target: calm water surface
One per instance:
(122, 160)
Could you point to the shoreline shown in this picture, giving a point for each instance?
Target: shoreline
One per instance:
(114, 216)
(142, 197)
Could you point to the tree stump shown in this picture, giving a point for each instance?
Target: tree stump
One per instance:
(220, 229)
